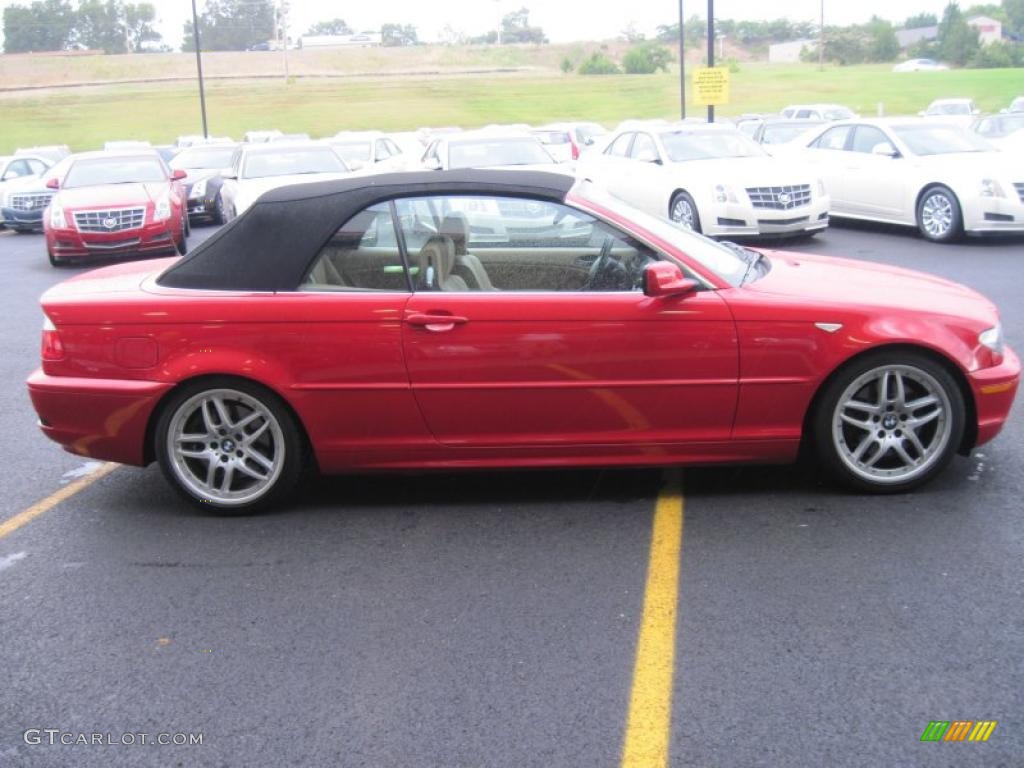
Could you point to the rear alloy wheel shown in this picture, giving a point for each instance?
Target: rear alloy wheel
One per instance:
(938, 215)
(229, 445)
(683, 210)
(890, 422)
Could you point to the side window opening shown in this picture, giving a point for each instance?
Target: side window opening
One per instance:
(476, 243)
(363, 255)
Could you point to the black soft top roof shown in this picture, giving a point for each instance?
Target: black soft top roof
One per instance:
(272, 246)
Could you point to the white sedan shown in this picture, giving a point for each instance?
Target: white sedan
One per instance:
(920, 65)
(371, 150)
(258, 168)
(710, 178)
(488, 148)
(940, 178)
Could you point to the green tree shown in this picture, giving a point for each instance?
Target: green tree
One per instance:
(44, 25)
(921, 20)
(398, 34)
(599, 64)
(958, 41)
(332, 27)
(515, 28)
(1014, 10)
(232, 25)
(646, 59)
(139, 19)
(100, 26)
(843, 45)
(882, 44)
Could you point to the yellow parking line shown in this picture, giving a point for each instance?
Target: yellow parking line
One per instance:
(12, 524)
(648, 726)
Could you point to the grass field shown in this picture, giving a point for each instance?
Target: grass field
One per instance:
(85, 117)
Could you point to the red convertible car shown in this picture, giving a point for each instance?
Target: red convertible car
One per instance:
(507, 319)
(113, 203)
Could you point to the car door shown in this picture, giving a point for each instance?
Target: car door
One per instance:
(828, 155)
(538, 336)
(875, 183)
(646, 176)
(612, 166)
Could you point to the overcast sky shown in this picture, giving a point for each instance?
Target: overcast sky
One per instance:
(562, 20)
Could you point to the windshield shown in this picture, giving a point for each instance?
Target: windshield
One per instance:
(837, 113)
(287, 162)
(683, 146)
(1010, 124)
(552, 137)
(205, 158)
(949, 109)
(123, 170)
(783, 132)
(353, 151)
(715, 257)
(495, 152)
(940, 139)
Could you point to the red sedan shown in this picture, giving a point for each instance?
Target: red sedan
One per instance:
(507, 319)
(111, 204)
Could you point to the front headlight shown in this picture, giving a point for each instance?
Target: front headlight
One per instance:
(991, 188)
(57, 219)
(162, 212)
(993, 339)
(198, 189)
(724, 194)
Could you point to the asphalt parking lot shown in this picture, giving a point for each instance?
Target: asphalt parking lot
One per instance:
(492, 619)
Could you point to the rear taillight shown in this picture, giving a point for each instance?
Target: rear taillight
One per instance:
(52, 348)
(575, 149)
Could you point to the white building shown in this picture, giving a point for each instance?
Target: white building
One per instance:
(989, 30)
(789, 53)
(339, 41)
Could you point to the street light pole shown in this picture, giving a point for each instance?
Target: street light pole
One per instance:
(682, 65)
(821, 38)
(199, 67)
(711, 50)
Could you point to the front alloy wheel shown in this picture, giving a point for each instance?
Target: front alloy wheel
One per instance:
(938, 215)
(683, 210)
(231, 447)
(890, 425)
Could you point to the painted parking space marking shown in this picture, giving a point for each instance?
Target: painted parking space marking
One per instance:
(648, 725)
(25, 517)
(7, 562)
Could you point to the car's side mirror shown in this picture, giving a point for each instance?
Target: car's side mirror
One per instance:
(228, 173)
(666, 279)
(53, 183)
(178, 174)
(884, 149)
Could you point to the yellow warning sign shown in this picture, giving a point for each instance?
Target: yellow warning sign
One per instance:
(711, 86)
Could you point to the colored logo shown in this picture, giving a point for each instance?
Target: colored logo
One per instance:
(959, 730)
(110, 223)
(785, 199)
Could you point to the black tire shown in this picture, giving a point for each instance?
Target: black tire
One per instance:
(182, 245)
(833, 437)
(183, 472)
(217, 217)
(946, 223)
(680, 200)
(187, 224)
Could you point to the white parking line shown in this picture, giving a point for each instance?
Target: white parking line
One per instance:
(7, 562)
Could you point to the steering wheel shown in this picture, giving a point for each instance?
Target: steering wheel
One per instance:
(606, 273)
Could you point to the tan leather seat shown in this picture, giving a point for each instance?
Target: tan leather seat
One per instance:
(467, 266)
(437, 262)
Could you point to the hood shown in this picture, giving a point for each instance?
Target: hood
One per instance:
(198, 174)
(748, 171)
(249, 190)
(25, 184)
(112, 195)
(974, 164)
(848, 283)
